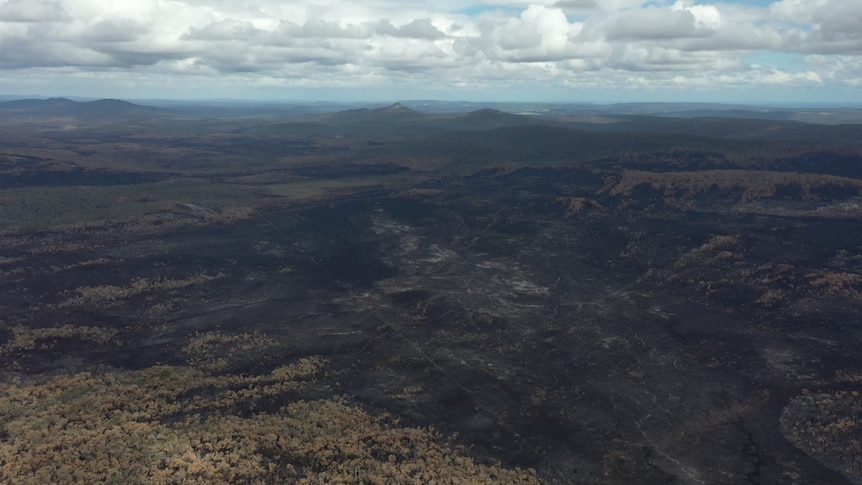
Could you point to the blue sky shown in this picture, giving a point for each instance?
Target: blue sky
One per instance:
(763, 51)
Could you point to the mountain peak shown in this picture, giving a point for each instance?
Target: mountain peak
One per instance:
(397, 107)
(488, 112)
(109, 109)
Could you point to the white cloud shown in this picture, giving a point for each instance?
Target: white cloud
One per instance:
(115, 30)
(226, 30)
(705, 16)
(416, 29)
(843, 70)
(512, 42)
(324, 29)
(839, 20)
(576, 5)
(798, 11)
(519, 35)
(761, 75)
(538, 33)
(652, 24)
(31, 11)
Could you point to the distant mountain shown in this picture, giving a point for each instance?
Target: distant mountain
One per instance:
(35, 104)
(488, 118)
(720, 127)
(396, 108)
(106, 109)
(393, 113)
(398, 119)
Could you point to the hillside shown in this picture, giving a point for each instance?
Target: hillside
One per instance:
(99, 110)
(388, 295)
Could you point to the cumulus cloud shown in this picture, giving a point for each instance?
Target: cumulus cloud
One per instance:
(838, 20)
(798, 11)
(705, 16)
(227, 29)
(415, 29)
(537, 34)
(846, 68)
(652, 24)
(114, 30)
(560, 42)
(31, 11)
(635, 58)
(576, 4)
(324, 29)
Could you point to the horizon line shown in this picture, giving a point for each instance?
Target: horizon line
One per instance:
(288, 102)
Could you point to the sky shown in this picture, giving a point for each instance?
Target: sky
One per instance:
(751, 51)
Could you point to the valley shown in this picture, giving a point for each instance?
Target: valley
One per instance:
(383, 295)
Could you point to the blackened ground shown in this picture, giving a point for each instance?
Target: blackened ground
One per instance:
(600, 346)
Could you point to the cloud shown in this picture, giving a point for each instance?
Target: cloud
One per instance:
(760, 75)
(114, 30)
(520, 35)
(505, 42)
(415, 29)
(19, 53)
(31, 11)
(797, 11)
(576, 4)
(652, 24)
(838, 20)
(538, 33)
(324, 29)
(227, 30)
(844, 70)
(705, 16)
